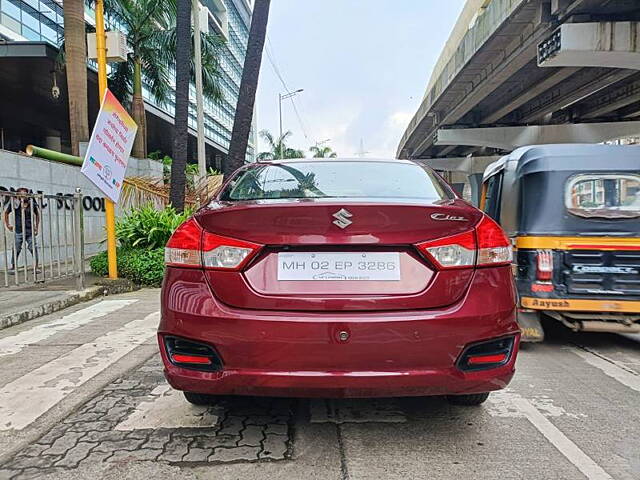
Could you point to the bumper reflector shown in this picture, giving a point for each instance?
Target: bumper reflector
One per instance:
(486, 355)
(192, 355)
(484, 359)
(176, 357)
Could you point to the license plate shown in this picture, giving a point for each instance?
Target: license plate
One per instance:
(343, 266)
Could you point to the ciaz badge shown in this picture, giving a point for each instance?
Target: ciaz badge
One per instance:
(450, 218)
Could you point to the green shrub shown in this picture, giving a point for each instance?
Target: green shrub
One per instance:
(147, 227)
(99, 264)
(141, 266)
(142, 234)
(144, 267)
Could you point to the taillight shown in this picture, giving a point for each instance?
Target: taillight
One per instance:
(226, 253)
(486, 246)
(457, 251)
(494, 247)
(544, 272)
(183, 248)
(190, 246)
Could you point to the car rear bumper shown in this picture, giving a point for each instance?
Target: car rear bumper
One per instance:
(338, 384)
(306, 354)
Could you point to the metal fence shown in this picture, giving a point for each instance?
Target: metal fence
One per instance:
(41, 238)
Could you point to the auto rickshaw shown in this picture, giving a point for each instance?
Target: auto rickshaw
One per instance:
(573, 215)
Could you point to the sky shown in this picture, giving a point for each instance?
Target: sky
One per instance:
(363, 65)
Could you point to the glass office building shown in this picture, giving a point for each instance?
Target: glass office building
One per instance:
(40, 22)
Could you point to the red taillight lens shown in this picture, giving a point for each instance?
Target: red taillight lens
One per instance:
(226, 253)
(183, 248)
(457, 251)
(494, 247)
(544, 272)
(190, 246)
(487, 246)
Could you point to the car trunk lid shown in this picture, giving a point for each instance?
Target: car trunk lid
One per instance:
(382, 235)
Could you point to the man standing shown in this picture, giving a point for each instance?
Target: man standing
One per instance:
(26, 224)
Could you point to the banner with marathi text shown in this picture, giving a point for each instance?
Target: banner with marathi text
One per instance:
(105, 162)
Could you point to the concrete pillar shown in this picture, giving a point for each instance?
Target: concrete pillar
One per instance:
(475, 182)
(471, 169)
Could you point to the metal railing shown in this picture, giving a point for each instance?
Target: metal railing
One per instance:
(41, 238)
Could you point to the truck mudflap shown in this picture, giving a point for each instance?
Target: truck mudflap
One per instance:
(530, 327)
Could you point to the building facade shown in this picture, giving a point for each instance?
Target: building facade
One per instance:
(31, 32)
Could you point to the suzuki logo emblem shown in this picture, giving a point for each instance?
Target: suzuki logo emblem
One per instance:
(342, 217)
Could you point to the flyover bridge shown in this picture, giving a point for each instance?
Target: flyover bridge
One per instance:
(520, 72)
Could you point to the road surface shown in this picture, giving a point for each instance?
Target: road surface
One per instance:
(82, 396)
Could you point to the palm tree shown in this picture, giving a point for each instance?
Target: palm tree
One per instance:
(151, 34)
(322, 152)
(181, 130)
(248, 87)
(75, 59)
(278, 148)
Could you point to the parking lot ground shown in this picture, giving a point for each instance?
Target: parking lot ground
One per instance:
(82, 396)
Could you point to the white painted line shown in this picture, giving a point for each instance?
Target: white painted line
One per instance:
(356, 411)
(15, 343)
(559, 440)
(28, 397)
(612, 369)
(167, 408)
(506, 403)
(501, 404)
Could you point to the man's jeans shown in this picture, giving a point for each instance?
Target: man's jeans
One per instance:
(31, 245)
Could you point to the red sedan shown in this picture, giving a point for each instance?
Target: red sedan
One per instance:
(338, 278)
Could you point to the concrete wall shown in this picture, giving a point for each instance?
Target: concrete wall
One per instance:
(55, 178)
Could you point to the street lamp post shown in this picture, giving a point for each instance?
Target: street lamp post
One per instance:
(284, 96)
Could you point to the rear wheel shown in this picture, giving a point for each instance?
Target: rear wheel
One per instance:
(468, 400)
(199, 398)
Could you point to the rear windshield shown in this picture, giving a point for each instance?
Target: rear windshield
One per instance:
(603, 195)
(318, 179)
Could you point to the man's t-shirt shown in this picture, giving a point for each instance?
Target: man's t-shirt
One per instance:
(27, 206)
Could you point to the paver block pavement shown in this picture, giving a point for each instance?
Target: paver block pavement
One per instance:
(247, 430)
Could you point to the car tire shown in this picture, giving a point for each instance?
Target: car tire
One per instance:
(468, 400)
(200, 399)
